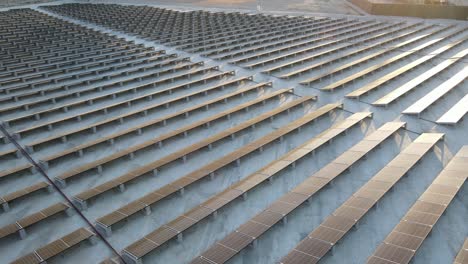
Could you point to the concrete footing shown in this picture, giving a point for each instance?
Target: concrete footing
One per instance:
(22, 233)
(82, 205)
(103, 230)
(6, 207)
(129, 259)
(147, 210)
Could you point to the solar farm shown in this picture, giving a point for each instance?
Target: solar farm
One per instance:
(145, 133)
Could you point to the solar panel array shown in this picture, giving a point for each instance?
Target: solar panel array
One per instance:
(114, 149)
(293, 48)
